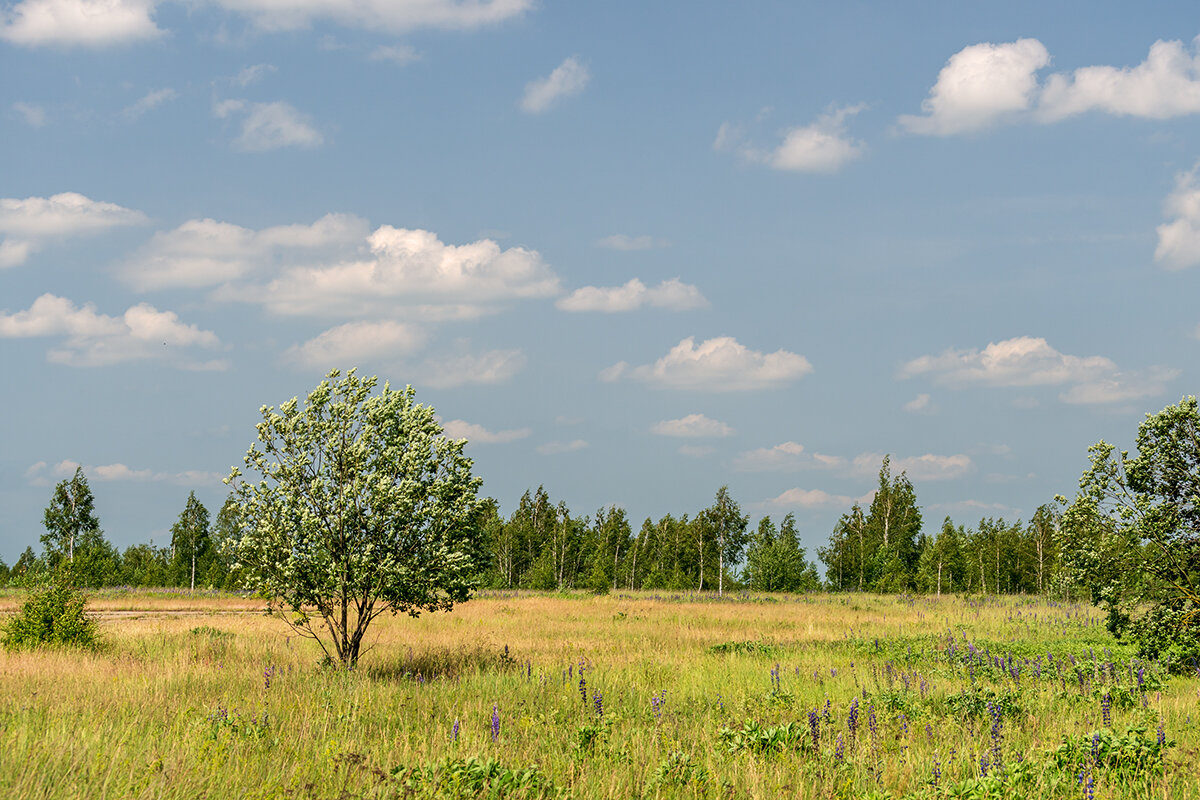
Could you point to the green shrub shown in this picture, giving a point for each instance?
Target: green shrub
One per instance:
(53, 615)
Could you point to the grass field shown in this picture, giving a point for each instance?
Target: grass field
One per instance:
(629, 695)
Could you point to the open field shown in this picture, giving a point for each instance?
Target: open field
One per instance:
(629, 695)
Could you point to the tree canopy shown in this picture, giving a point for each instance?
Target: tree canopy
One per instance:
(1132, 533)
(361, 506)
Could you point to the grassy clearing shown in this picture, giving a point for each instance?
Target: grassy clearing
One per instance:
(631, 695)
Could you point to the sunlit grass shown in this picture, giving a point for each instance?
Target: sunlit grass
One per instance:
(201, 696)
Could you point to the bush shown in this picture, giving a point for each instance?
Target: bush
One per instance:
(53, 615)
(1170, 635)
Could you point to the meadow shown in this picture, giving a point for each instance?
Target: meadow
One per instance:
(627, 695)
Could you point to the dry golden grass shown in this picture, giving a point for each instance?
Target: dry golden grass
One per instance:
(202, 697)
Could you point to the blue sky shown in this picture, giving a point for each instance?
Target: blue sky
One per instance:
(631, 251)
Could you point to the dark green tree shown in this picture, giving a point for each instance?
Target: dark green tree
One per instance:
(1133, 533)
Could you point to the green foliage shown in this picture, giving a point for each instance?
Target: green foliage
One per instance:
(679, 769)
(53, 615)
(191, 544)
(1134, 752)
(979, 701)
(877, 549)
(762, 739)
(1133, 533)
(775, 561)
(363, 506)
(1171, 636)
(455, 778)
(73, 534)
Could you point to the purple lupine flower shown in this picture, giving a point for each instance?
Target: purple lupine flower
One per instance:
(839, 750)
(814, 728)
(1106, 709)
(997, 735)
(826, 712)
(852, 718)
(1162, 735)
(598, 702)
(495, 722)
(454, 732)
(583, 688)
(937, 770)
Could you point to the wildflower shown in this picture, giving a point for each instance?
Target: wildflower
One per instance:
(495, 722)
(814, 727)
(852, 718)
(839, 750)
(598, 703)
(1106, 709)
(454, 732)
(937, 770)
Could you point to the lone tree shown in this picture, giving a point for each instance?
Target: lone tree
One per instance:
(363, 506)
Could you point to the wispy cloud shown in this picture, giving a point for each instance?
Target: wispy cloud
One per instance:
(568, 78)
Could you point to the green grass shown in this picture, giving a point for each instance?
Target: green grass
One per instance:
(699, 697)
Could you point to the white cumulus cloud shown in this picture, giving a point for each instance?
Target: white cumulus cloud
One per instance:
(811, 498)
(477, 434)
(568, 78)
(981, 85)
(721, 364)
(65, 214)
(692, 426)
(1179, 240)
(988, 84)
(355, 342)
(822, 146)
(91, 339)
(1166, 84)
(673, 295)
(205, 252)
(90, 23)
(1030, 361)
(28, 223)
(269, 126)
(409, 267)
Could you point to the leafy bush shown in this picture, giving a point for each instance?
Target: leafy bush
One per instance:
(472, 777)
(53, 615)
(1170, 635)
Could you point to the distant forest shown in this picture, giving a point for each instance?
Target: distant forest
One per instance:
(881, 547)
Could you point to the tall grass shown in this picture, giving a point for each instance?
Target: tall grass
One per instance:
(629, 695)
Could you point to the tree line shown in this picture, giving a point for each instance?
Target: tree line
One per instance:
(543, 545)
